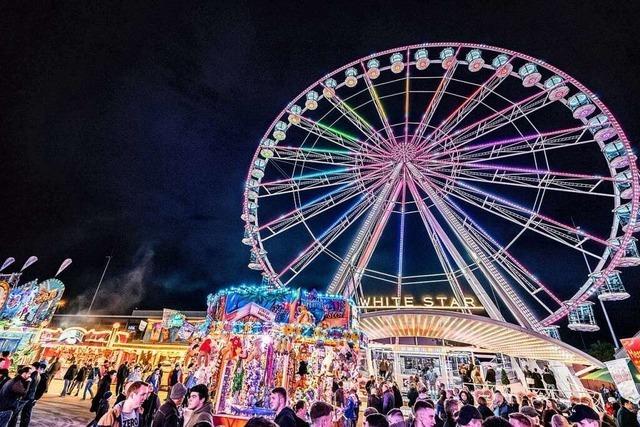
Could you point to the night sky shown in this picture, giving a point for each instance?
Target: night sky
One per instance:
(127, 128)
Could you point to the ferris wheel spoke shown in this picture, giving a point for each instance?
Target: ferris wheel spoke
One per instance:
(463, 110)
(391, 139)
(330, 134)
(443, 245)
(522, 144)
(537, 179)
(434, 102)
(523, 217)
(325, 239)
(359, 253)
(503, 257)
(356, 120)
(314, 207)
(519, 110)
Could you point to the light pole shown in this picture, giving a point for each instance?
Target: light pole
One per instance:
(95, 294)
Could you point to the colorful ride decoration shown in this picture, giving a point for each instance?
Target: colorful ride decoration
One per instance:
(256, 338)
(32, 304)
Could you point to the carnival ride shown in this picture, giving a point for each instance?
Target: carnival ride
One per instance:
(455, 165)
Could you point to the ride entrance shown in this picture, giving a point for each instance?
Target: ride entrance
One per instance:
(468, 198)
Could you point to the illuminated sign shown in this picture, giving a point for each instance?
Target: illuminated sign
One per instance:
(426, 301)
(72, 335)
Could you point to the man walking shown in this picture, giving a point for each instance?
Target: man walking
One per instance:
(12, 392)
(127, 413)
(92, 377)
(69, 376)
(53, 369)
(121, 377)
(168, 414)
(78, 381)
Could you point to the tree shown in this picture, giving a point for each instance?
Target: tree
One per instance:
(601, 350)
(504, 378)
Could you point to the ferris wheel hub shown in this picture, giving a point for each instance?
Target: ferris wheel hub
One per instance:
(404, 152)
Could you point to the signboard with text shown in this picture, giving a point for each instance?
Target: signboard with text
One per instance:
(621, 375)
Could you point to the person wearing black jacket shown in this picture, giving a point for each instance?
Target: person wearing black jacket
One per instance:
(168, 414)
(149, 408)
(397, 396)
(102, 408)
(68, 378)
(121, 377)
(30, 398)
(103, 386)
(13, 391)
(285, 417)
(625, 416)
(374, 401)
(78, 381)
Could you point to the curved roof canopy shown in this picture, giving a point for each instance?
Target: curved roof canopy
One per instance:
(478, 331)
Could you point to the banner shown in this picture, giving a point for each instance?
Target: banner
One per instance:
(185, 332)
(632, 345)
(621, 375)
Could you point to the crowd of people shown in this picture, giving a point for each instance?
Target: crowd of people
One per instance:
(122, 398)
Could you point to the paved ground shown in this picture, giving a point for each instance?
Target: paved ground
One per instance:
(53, 410)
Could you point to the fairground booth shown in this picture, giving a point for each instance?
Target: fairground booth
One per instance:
(256, 338)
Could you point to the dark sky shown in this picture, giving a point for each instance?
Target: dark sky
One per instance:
(127, 128)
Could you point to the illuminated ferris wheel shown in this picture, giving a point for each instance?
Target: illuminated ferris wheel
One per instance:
(467, 166)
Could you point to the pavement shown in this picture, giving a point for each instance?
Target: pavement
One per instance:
(55, 411)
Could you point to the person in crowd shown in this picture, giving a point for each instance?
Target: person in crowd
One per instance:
(465, 397)
(440, 404)
(469, 416)
(496, 422)
(4, 377)
(285, 417)
(383, 368)
(260, 422)
(483, 408)
(93, 376)
(351, 408)
(121, 377)
(395, 418)
(12, 393)
(321, 414)
(500, 408)
(559, 420)
(128, 412)
(371, 382)
(374, 401)
(29, 400)
(531, 412)
(537, 380)
(376, 420)
(103, 408)
(388, 399)
(397, 396)
(626, 416)
(200, 407)
(168, 415)
(103, 386)
(550, 381)
(476, 376)
(513, 406)
(451, 408)
(78, 380)
(424, 413)
(490, 376)
(412, 394)
(584, 416)
(149, 407)
(5, 360)
(338, 395)
(175, 376)
(423, 394)
(547, 414)
(154, 380)
(68, 378)
(518, 419)
(368, 411)
(53, 369)
(300, 409)
(135, 374)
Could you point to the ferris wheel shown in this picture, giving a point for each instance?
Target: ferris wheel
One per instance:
(461, 165)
